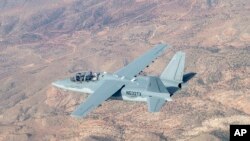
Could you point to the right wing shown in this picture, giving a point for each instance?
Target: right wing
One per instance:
(107, 89)
(133, 68)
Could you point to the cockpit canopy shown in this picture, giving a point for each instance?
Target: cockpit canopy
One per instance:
(85, 76)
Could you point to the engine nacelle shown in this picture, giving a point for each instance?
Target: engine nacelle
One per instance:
(179, 85)
(182, 85)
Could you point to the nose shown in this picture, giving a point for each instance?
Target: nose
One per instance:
(59, 84)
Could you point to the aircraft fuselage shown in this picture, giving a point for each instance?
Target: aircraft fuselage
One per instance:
(133, 90)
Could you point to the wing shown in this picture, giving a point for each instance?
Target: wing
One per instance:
(133, 68)
(155, 104)
(107, 89)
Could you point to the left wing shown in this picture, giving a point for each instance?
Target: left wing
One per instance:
(133, 68)
(107, 89)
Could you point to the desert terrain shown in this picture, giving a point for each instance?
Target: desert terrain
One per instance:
(43, 41)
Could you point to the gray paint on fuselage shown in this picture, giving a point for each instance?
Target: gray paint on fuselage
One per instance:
(138, 85)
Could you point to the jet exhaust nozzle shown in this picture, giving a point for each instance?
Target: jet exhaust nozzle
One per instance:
(182, 85)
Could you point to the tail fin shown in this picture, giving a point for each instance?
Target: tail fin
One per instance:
(174, 70)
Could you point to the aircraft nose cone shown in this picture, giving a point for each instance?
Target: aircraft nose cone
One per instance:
(54, 83)
(59, 84)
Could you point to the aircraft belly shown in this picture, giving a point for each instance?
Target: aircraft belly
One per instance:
(128, 98)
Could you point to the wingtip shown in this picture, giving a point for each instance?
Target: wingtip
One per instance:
(165, 45)
(162, 47)
(76, 116)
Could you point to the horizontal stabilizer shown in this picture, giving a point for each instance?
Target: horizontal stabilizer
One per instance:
(155, 104)
(156, 85)
(188, 76)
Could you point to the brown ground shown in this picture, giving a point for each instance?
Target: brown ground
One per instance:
(43, 41)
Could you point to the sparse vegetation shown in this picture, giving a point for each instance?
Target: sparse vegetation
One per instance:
(43, 41)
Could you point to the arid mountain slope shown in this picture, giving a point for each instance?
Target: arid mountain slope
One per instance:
(43, 41)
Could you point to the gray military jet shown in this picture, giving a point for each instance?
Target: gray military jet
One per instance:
(128, 84)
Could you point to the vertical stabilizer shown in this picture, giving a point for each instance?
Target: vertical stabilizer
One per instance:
(174, 70)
